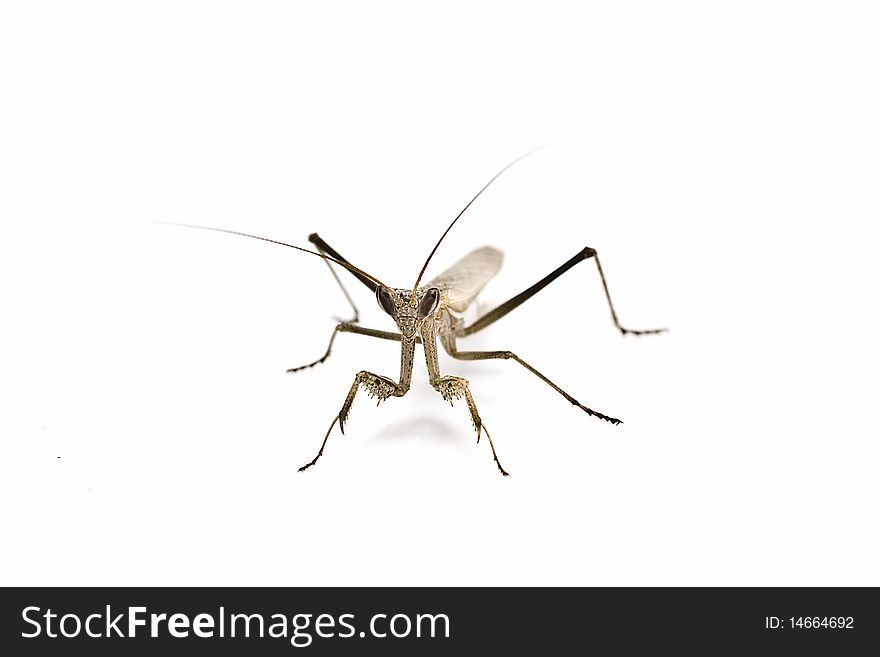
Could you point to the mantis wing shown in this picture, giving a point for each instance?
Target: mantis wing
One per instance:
(464, 280)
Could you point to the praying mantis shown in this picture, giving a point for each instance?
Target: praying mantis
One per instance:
(426, 314)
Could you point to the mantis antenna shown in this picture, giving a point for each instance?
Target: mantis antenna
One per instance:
(458, 216)
(347, 265)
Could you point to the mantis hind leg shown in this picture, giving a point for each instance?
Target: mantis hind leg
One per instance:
(344, 325)
(514, 302)
(326, 249)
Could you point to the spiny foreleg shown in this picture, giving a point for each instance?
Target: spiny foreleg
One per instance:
(455, 387)
(377, 386)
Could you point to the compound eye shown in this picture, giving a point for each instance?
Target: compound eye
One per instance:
(429, 302)
(383, 296)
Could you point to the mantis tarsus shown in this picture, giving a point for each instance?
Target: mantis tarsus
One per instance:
(425, 313)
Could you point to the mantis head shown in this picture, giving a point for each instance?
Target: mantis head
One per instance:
(410, 309)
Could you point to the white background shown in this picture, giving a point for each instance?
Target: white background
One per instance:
(724, 162)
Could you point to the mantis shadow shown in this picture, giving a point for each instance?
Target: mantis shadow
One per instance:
(427, 428)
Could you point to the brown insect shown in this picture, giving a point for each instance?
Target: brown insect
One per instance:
(424, 313)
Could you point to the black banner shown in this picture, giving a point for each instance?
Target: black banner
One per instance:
(185, 621)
